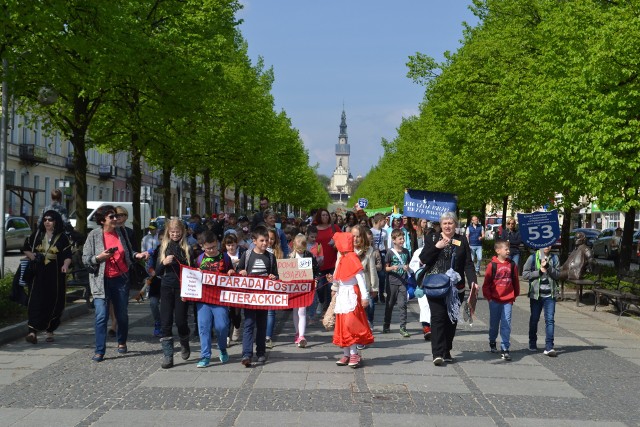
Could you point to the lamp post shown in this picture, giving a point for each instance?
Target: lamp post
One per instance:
(3, 157)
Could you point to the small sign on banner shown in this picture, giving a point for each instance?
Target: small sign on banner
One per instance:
(539, 229)
(191, 286)
(295, 269)
(363, 203)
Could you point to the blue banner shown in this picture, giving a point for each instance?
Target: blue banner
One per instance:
(539, 229)
(429, 205)
(363, 203)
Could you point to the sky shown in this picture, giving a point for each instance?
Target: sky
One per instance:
(330, 53)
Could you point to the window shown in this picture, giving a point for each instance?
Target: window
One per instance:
(612, 219)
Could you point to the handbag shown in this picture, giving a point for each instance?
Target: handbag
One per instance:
(137, 273)
(437, 285)
(329, 319)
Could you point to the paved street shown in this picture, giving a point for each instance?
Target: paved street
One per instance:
(594, 380)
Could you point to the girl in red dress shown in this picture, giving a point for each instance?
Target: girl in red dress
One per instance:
(352, 327)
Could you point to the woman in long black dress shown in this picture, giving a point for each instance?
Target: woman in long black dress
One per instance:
(50, 246)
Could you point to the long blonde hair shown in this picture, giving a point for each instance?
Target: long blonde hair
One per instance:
(299, 245)
(277, 250)
(173, 224)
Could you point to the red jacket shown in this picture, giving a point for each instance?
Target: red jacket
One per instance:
(505, 286)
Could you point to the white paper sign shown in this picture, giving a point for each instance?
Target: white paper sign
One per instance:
(191, 283)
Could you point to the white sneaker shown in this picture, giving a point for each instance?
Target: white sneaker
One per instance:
(550, 353)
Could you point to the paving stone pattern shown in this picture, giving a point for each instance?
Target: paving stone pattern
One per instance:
(594, 381)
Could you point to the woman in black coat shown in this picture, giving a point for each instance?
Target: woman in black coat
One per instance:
(436, 256)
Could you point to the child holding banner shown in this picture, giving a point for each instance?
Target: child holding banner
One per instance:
(352, 327)
(274, 246)
(256, 262)
(300, 314)
(213, 260)
(235, 252)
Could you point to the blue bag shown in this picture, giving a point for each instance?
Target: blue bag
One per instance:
(437, 285)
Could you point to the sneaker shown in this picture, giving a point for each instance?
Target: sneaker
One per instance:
(203, 363)
(448, 358)
(550, 353)
(354, 361)
(269, 343)
(404, 333)
(533, 348)
(438, 361)
(229, 342)
(236, 334)
(492, 347)
(223, 356)
(386, 330)
(361, 346)
(427, 332)
(505, 355)
(262, 359)
(246, 361)
(344, 361)
(302, 342)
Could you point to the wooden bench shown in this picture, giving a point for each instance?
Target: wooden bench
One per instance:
(579, 284)
(78, 282)
(625, 295)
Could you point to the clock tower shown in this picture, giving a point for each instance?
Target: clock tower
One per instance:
(340, 186)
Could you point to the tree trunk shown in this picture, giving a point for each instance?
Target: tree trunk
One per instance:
(564, 232)
(80, 174)
(223, 201)
(206, 177)
(505, 204)
(166, 190)
(627, 240)
(193, 193)
(236, 198)
(136, 182)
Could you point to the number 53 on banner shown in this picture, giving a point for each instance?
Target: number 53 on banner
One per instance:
(539, 229)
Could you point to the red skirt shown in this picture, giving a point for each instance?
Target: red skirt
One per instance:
(352, 328)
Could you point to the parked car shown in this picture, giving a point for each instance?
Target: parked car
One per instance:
(602, 243)
(590, 233)
(16, 230)
(492, 230)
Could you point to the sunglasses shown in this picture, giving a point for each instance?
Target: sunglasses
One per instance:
(121, 215)
(112, 216)
(48, 219)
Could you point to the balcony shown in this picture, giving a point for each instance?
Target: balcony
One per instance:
(31, 153)
(70, 164)
(106, 171)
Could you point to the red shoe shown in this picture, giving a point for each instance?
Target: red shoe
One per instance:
(344, 360)
(427, 332)
(354, 361)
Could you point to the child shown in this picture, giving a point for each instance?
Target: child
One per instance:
(213, 260)
(542, 270)
(380, 243)
(300, 314)
(274, 247)
(256, 262)
(417, 267)
(173, 251)
(364, 250)
(397, 268)
(501, 287)
(234, 252)
(316, 250)
(352, 327)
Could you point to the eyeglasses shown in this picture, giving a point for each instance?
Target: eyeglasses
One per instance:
(112, 216)
(209, 249)
(121, 215)
(48, 219)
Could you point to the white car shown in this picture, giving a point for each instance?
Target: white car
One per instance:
(16, 230)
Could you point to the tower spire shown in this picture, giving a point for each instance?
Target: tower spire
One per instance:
(343, 124)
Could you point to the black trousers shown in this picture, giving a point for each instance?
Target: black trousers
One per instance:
(442, 330)
(170, 303)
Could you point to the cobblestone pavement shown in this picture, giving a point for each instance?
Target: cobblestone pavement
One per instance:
(594, 381)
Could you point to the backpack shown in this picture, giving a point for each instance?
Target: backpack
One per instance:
(514, 269)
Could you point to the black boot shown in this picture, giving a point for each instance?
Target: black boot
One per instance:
(185, 350)
(167, 350)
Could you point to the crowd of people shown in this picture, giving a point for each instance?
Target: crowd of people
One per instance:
(358, 262)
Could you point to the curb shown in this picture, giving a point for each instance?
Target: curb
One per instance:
(19, 330)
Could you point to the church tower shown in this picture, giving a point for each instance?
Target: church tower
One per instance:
(340, 186)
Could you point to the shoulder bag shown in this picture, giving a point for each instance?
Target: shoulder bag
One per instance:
(438, 285)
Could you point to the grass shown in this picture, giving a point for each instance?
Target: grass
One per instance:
(10, 312)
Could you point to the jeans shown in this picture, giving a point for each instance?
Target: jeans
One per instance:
(154, 305)
(516, 259)
(500, 314)
(324, 290)
(170, 303)
(254, 319)
(271, 322)
(476, 255)
(396, 293)
(116, 292)
(537, 306)
(216, 316)
(370, 310)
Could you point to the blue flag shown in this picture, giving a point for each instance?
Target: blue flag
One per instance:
(539, 229)
(429, 205)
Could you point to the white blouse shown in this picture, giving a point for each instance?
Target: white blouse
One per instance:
(346, 298)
